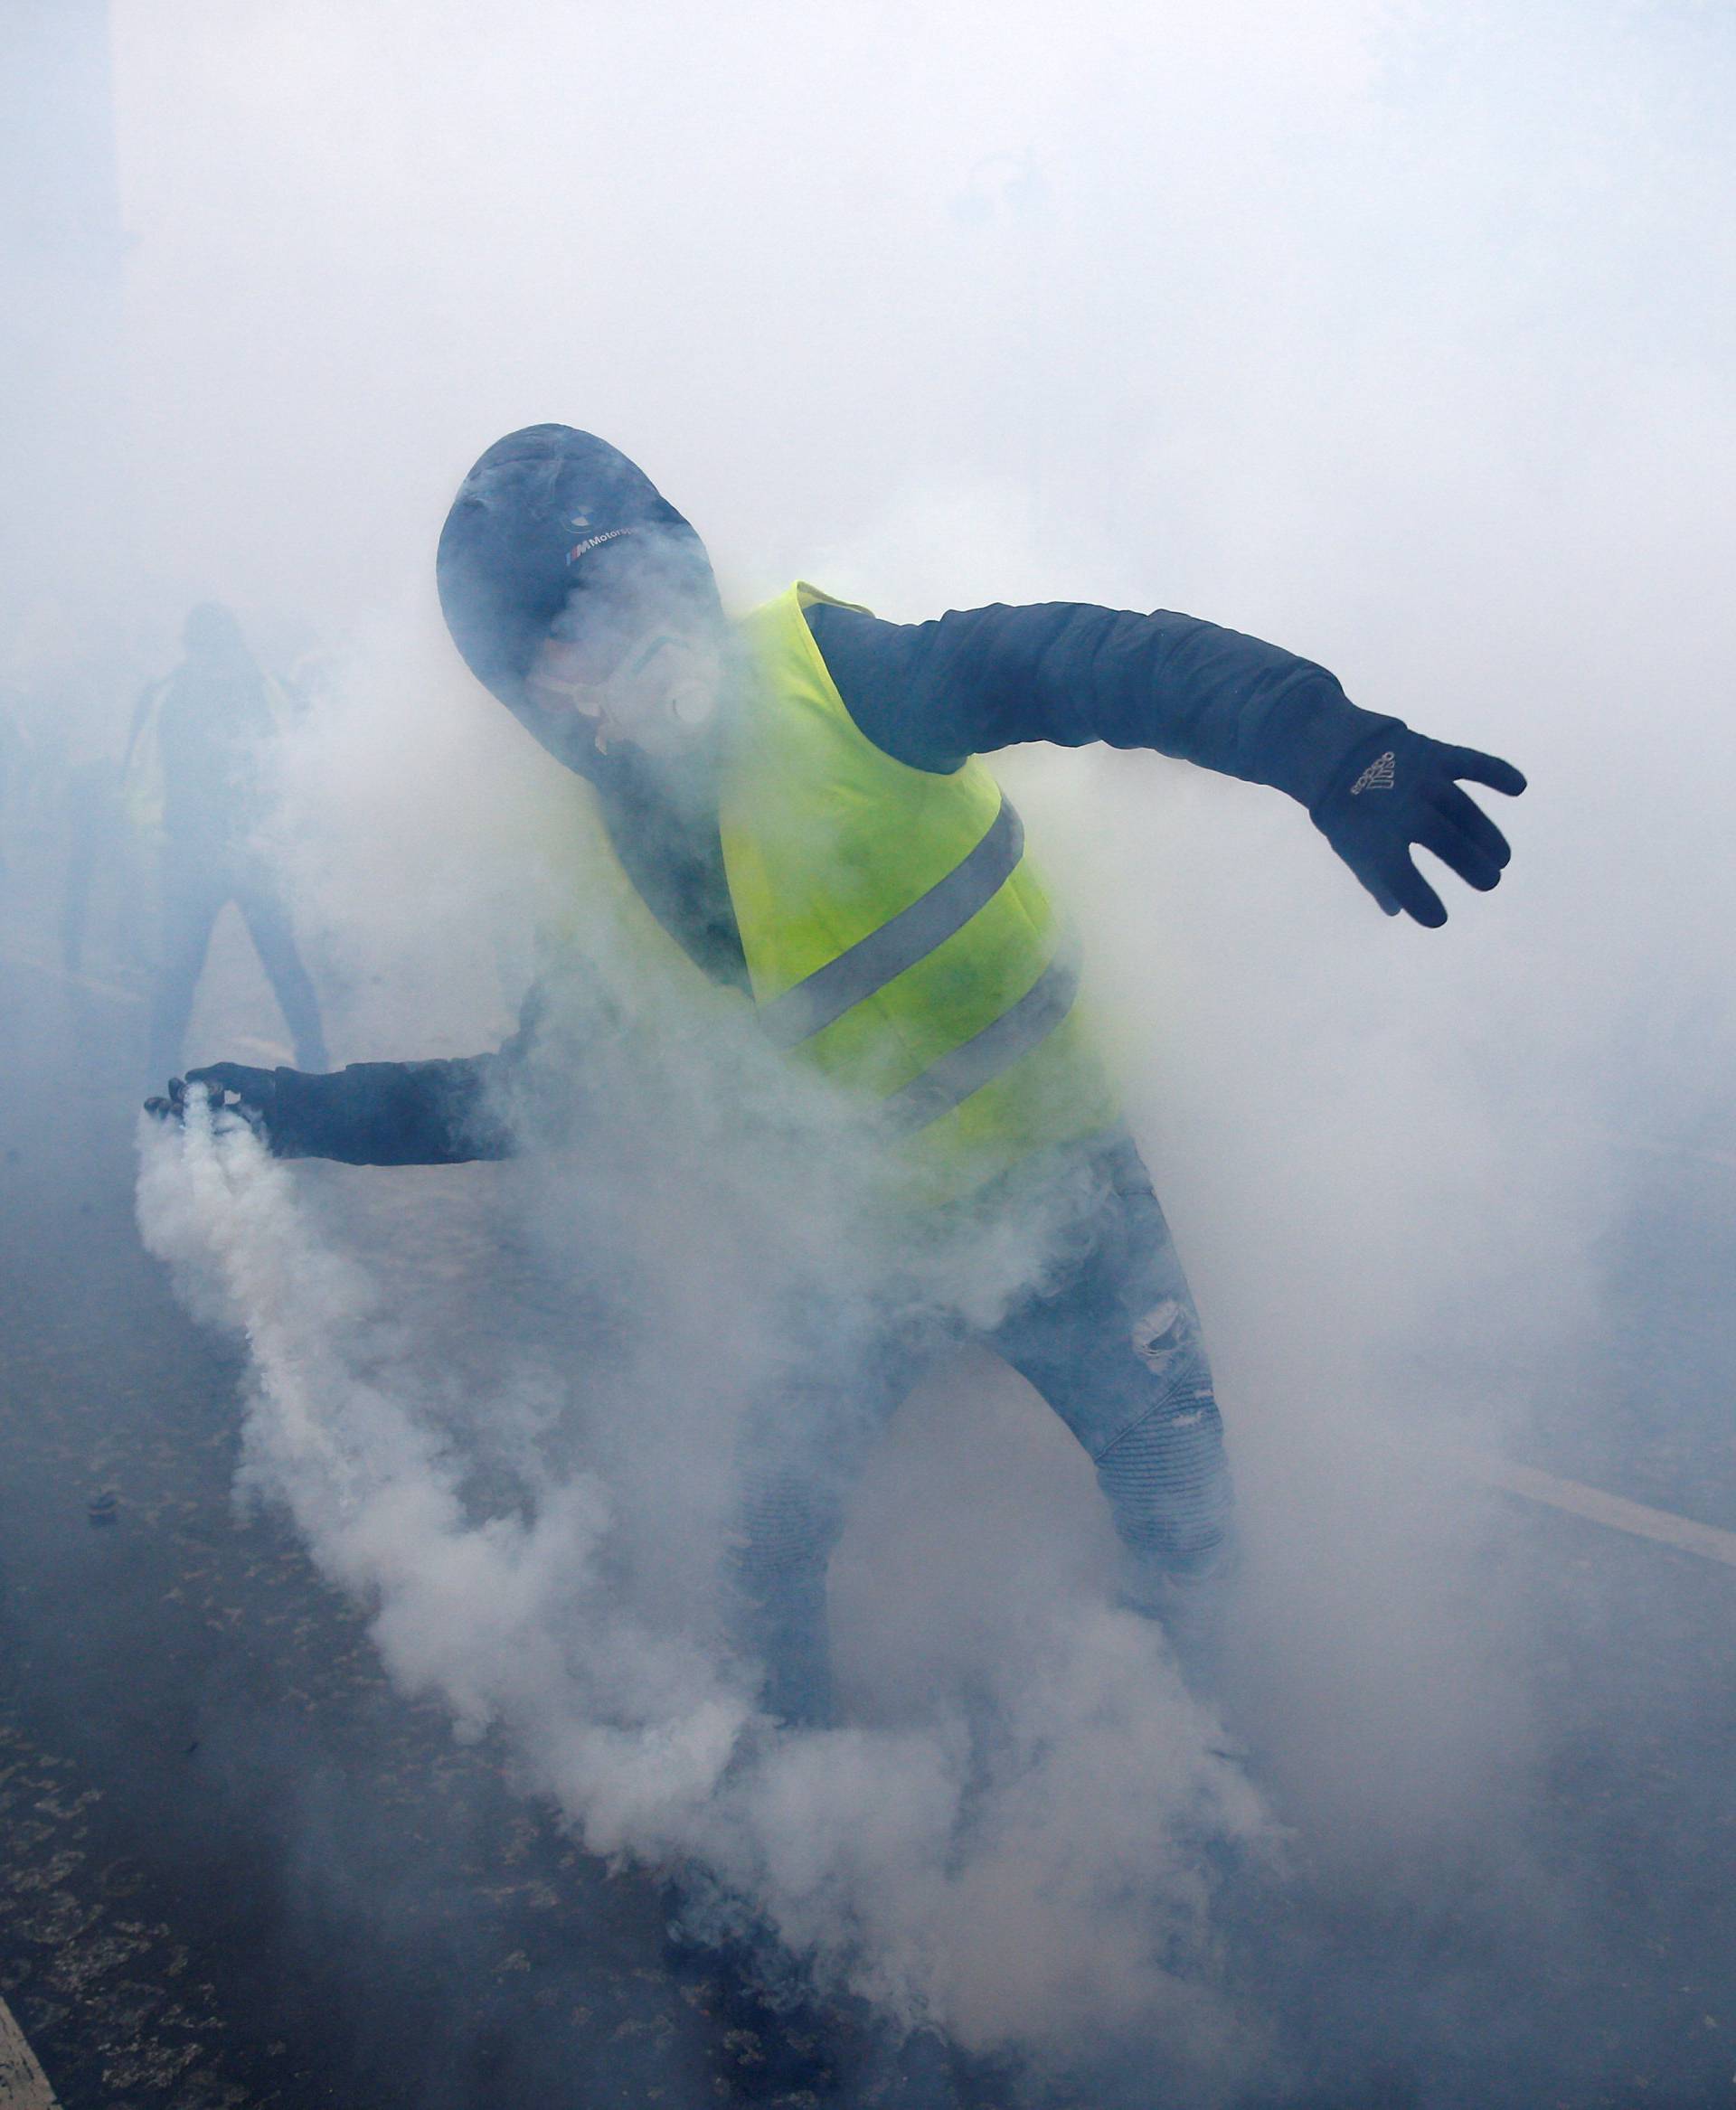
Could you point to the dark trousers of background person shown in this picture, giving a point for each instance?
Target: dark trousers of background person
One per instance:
(1113, 1344)
(196, 886)
(106, 879)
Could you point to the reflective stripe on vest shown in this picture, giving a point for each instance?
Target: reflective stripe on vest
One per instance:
(898, 940)
(900, 943)
(943, 1085)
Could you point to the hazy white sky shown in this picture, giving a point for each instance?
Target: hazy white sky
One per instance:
(1204, 298)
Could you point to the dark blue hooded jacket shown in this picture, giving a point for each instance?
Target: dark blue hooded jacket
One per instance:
(930, 694)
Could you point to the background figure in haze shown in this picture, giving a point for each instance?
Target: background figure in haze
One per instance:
(198, 774)
(797, 800)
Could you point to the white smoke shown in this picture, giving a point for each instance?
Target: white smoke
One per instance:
(1019, 1874)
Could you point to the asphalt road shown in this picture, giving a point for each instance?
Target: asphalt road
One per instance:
(240, 1870)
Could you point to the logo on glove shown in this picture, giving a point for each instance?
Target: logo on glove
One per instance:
(1378, 775)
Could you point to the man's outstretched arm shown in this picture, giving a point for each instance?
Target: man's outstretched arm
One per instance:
(930, 693)
(437, 1113)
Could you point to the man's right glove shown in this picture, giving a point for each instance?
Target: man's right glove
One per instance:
(232, 1088)
(1403, 789)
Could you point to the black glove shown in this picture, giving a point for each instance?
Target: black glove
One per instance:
(1403, 789)
(232, 1088)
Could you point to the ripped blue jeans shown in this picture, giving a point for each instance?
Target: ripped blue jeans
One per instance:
(1112, 1343)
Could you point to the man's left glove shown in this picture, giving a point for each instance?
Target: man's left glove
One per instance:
(232, 1088)
(1401, 790)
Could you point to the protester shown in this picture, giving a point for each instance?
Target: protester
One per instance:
(797, 800)
(198, 777)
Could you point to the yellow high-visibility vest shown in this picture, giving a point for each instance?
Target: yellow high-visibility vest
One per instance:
(898, 938)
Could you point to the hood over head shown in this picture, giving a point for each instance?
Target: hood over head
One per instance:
(554, 525)
(211, 632)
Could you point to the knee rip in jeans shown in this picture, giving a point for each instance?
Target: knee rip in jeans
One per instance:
(1166, 1339)
(1165, 1334)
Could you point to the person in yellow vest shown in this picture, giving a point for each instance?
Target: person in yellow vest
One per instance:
(196, 782)
(798, 800)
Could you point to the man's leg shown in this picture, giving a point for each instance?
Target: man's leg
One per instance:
(192, 896)
(798, 1462)
(1115, 1350)
(274, 939)
(89, 822)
